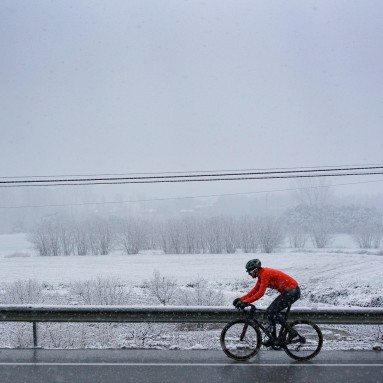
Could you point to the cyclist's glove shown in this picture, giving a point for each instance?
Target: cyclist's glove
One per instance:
(235, 301)
(241, 305)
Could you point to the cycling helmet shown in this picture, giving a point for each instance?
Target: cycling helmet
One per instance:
(253, 264)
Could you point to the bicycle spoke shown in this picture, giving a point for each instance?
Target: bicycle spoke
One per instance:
(307, 343)
(240, 340)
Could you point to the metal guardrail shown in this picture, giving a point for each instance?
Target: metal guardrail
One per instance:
(174, 314)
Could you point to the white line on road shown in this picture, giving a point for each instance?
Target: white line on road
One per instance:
(64, 364)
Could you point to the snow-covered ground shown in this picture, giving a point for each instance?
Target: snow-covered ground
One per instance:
(324, 268)
(340, 276)
(326, 278)
(313, 268)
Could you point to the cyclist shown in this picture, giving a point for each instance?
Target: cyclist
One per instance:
(270, 278)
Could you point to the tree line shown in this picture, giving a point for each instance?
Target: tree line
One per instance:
(96, 235)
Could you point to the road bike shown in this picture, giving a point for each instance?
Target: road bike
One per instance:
(241, 339)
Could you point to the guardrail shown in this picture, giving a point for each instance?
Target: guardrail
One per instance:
(173, 314)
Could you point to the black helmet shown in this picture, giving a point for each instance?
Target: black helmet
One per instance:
(253, 264)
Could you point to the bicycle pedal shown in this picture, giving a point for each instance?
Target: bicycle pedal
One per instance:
(268, 343)
(293, 338)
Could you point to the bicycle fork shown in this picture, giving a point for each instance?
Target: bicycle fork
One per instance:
(242, 337)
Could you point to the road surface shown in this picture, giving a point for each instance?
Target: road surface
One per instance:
(202, 366)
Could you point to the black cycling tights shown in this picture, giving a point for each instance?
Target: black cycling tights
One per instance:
(280, 303)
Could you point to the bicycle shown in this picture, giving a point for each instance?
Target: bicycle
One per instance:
(241, 339)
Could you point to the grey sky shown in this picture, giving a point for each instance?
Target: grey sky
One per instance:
(146, 86)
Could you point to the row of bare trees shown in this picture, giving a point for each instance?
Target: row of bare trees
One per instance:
(319, 223)
(187, 235)
(63, 236)
(95, 235)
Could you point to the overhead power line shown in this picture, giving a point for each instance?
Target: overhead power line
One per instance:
(193, 180)
(200, 177)
(186, 197)
(193, 171)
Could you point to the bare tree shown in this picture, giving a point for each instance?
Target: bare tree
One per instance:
(198, 293)
(102, 291)
(23, 292)
(230, 235)
(142, 333)
(39, 239)
(133, 236)
(321, 226)
(313, 191)
(101, 236)
(175, 236)
(297, 235)
(80, 238)
(270, 234)
(214, 235)
(193, 235)
(321, 233)
(46, 238)
(248, 234)
(66, 236)
(171, 236)
(163, 288)
(378, 237)
(368, 234)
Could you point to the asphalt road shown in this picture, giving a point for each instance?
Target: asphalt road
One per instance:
(112, 366)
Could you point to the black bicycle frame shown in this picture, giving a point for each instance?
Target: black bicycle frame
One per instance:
(251, 318)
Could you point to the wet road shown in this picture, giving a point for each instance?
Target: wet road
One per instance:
(114, 366)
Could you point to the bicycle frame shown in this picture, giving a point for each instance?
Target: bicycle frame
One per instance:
(253, 320)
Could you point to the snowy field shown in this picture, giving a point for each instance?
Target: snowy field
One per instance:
(340, 276)
(340, 268)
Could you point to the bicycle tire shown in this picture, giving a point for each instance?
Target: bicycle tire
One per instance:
(309, 342)
(235, 347)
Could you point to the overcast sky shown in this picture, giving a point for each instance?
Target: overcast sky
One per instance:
(158, 85)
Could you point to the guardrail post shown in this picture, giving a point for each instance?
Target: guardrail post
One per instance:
(34, 334)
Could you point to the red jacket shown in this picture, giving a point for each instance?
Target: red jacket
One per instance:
(274, 279)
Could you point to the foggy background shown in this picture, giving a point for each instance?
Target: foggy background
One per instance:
(144, 86)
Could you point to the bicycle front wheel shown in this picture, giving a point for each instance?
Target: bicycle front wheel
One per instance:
(240, 340)
(307, 343)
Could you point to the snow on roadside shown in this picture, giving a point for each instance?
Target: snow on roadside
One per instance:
(336, 276)
(332, 277)
(324, 268)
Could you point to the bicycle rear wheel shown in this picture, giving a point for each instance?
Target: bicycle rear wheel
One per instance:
(240, 340)
(307, 343)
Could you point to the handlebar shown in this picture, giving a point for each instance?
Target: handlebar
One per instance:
(252, 308)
